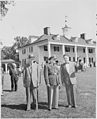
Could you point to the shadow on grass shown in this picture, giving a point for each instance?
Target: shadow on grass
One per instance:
(41, 105)
(17, 107)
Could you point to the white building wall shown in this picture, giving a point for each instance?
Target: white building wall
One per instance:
(71, 53)
(92, 55)
(42, 54)
(24, 56)
(39, 53)
(58, 54)
(80, 52)
(36, 52)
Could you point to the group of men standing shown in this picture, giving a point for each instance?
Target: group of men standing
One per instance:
(54, 75)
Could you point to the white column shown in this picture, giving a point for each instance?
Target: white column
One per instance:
(39, 55)
(63, 49)
(75, 53)
(87, 57)
(0, 73)
(49, 49)
(5, 67)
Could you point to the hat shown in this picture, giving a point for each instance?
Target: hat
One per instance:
(52, 57)
(31, 56)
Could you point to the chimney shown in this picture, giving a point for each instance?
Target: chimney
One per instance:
(82, 36)
(47, 30)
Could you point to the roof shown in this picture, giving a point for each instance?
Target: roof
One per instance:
(63, 39)
(44, 37)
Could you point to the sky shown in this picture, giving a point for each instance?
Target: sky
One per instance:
(29, 17)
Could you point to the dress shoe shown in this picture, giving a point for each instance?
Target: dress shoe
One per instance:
(68, 106)
(73, 106)
(28, 109)
(55, 108)
(49, 109)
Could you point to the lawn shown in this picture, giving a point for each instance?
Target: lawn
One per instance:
(14, 103)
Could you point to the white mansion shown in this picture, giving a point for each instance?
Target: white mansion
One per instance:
(50, 44)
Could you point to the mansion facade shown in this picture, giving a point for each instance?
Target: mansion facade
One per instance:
(57, 45)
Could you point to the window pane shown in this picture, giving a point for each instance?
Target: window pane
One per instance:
(31, 49)
(45, 48)
(67, 49)
(69, 58)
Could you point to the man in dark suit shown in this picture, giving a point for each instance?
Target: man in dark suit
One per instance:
(68, 78)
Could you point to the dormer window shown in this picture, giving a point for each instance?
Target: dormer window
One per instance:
(56, 37)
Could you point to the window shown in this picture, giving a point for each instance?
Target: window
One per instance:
(56, 48)
(92, 59)
(45, 58)
(45, 48)
(24, 51)
(23, 62)
(84, 59)
(74, 59)
(89, 59)
(73, 50)
(31, 49)
(90, 50)
(83, 50)
(67, 49)
(69, 58)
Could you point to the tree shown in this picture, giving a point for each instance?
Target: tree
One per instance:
(3, 7)
(21, 41)
(11, 52)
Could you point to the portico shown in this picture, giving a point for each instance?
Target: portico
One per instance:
(76, 51)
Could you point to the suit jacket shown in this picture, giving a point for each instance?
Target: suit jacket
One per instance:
(35, 74)
(46, 74)
(26, 76)
(68, 77)
(52, 75)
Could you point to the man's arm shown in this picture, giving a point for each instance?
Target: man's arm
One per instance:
(46, 75)
(61, 74)
(38, 74)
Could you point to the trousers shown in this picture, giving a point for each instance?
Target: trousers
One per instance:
(70, 95)
(31, 92)
(54, 96)
(13, 84)
(48, 95)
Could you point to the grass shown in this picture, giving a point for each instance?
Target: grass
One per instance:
(14, 103)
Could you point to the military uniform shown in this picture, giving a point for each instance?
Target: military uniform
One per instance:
(53, 81)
